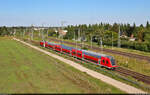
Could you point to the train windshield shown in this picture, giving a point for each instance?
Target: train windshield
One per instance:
(112, 61)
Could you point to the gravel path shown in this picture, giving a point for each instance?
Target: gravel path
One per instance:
(106, 79)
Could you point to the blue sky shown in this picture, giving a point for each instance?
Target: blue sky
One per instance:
(52, 12)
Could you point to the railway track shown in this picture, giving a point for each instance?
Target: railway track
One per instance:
(123, 71)
(137, 76)
(109, 51)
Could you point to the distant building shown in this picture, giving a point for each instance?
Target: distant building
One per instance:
(37, 28)
(132, 38)
(123, 36)
(62, 32)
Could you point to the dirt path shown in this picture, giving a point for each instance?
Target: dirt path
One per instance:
(106, 79)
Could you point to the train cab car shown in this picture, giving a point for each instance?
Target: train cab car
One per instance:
(77, 52)
(100, 59)
(108, 62)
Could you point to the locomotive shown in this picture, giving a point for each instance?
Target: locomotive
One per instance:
(96, 58)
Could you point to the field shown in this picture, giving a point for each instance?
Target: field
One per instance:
(25, 70)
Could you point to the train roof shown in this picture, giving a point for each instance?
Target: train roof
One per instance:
(84, 51)
(67, 47)
(95, 54)
(53, 43)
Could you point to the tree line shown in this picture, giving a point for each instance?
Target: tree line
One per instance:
(109, 34)
(104, 32)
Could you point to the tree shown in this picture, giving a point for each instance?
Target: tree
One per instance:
(147, 25)
(140, 33)
(4, 31)
(115, 27)
(147, 35)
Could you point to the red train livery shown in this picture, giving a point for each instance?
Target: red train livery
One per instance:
(96, 58)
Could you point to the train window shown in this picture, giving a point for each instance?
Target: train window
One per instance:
(91, 60)
(112, 61)
(103, 61)
(106, 62)
(79, 54)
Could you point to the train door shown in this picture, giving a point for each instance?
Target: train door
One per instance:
(108, 64)
(103, 61)
(99, 61)
(73, 52)
(79, 54)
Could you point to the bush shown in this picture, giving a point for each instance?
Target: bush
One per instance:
(131, 45)
(141, 46)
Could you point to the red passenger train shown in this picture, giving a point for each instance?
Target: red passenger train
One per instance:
(96, 58)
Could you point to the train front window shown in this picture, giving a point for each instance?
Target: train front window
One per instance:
(107, 62)
(112, 61)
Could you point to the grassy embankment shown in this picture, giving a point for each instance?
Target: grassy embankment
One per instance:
(25, 70)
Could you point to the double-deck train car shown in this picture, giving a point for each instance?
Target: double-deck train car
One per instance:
(96, 58)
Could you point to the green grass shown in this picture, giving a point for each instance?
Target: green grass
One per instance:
(25, 70)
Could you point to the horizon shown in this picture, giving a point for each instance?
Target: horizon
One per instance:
(74, 12)
(72, 25)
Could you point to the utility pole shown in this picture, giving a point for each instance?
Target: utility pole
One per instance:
(29, 34)
(56, 33)
(74, 35)
(42, 33)
(91, 40)
(39, 33)
(32, 32)
(14, 32)
(78, 33)
(119, 38)
(76, 45)
(112, 40)
(23, 33)
(47, 33)
(101, 42)
(62, 23)
(84, 37)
